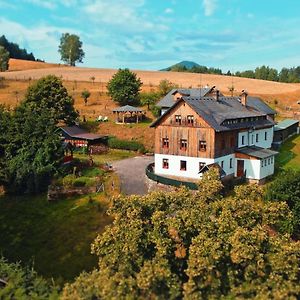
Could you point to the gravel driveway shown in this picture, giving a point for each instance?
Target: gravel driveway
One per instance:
(132, 174)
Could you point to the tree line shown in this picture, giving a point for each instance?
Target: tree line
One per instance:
(195, 69)
(14, 50)
(288, 75)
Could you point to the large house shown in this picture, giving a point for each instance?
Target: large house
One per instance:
(199, 131)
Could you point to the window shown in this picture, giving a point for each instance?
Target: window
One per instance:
(269, 160)
(183, 144)
(265, 162)
(165, 142)
(190, 120)
(178, 119)
(230, 163)
(202, 145)
(262, 163)
(183, 165)
(266, 135)
(222, 164)
(243, 140)
(201, 165)
(165, 163)
(257, 138)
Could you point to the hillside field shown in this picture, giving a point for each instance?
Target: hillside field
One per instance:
(281, 96)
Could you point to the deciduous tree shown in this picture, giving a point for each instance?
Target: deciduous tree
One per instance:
(124, 87)
(85, 94)
(70, 49)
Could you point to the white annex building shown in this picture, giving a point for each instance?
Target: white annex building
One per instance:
(200, 128)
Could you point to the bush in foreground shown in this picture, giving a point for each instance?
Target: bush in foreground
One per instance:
(23, 283)
(193, 246)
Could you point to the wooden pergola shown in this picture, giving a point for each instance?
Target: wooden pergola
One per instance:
(128, 114)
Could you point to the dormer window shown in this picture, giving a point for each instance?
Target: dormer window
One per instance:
(165, 143)
(190, 120)
(178, 119)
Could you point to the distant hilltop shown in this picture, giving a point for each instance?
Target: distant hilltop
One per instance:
(185, 64)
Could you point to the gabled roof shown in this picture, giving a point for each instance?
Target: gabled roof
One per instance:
(168, 100)
(127, 108)
(226, 108)
(256, 152)
(259, 105)
(285, 124)
(79, 133)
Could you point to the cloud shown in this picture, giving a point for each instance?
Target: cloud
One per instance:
(169, 10)
(42, 3)
(126, 15)
(209, 7)
(43, 43)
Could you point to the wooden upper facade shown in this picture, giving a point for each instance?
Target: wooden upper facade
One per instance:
(185, 130)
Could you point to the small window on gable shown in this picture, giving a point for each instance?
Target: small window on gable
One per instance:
(190, 120)
(266, 135)
(230, 163)
(222, 164)
(165, 142)
(178, 119)
(183, 144)
(202, 145)
(256, 138)
(165, 163)
(183, 165)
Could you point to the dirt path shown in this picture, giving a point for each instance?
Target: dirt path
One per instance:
(132, 174)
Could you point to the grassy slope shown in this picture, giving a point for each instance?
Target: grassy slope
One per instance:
(56, 237)
(289, 156)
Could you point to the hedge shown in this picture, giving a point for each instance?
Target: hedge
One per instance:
(116, 143)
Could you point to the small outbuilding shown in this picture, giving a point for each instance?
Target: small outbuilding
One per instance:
(78, 137)
(129, 114)
(283, 130)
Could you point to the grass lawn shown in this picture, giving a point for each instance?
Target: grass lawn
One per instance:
(289, 156)
(112, 155)
(53, 237)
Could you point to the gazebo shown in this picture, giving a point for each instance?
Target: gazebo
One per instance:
(128, 114)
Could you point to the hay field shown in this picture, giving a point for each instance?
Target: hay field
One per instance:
(19, 65)
(151, 78)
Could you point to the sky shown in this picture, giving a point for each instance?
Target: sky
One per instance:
(154, 34)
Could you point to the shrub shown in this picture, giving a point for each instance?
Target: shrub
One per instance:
(83, 182)
(155, 110)
(68, 180)
(116, 143)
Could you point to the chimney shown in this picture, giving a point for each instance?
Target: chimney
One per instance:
(244, 96)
